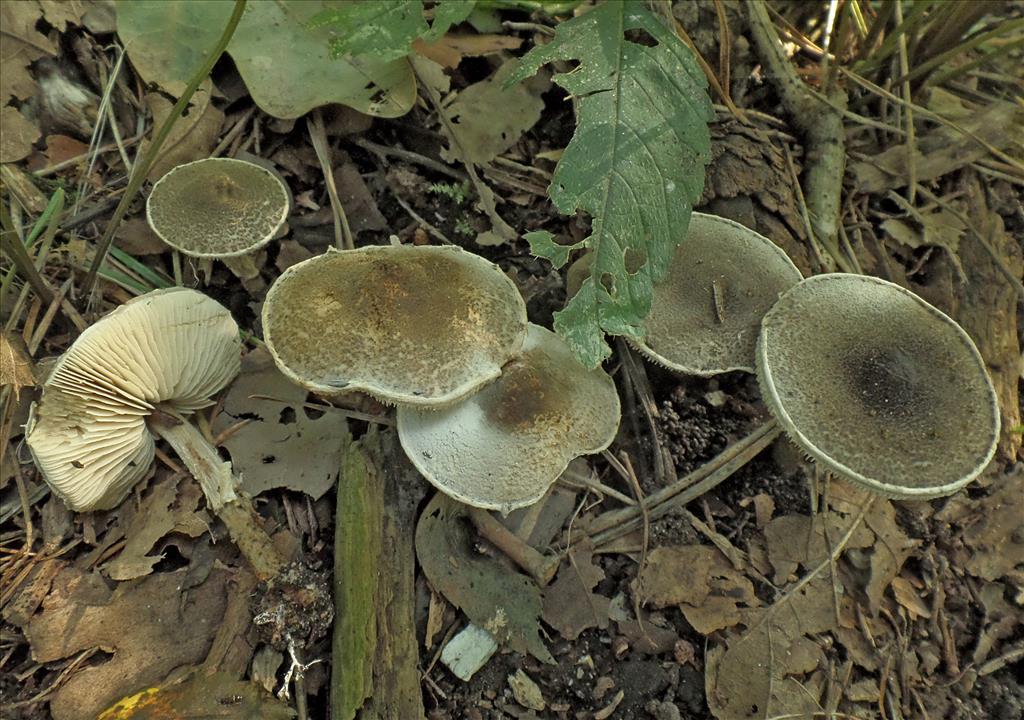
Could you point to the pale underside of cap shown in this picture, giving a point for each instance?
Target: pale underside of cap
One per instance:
(173, 348)
(502, 447)
(879, 386)
(217, 207)
(706, 312)
(408, 325)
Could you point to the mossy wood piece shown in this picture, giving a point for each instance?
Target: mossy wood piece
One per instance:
(374, 650)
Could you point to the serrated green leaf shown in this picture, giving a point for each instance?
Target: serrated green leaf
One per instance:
(542, 244)
(386, 29)
(446, 14)
(635, 163)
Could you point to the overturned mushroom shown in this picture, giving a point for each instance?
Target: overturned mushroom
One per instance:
(408, 325)
(504, 446)
(877, 385)
(706, 312)
(219, 208)
(141, 371)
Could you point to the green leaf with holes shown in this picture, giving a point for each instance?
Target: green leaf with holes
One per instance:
(386, 29)
(635, 163)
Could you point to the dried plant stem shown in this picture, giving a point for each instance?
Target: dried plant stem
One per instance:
(541, 567)
(141, 169)
(616, 523)
(820, 122)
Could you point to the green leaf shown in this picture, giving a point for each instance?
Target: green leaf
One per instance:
(285, 65)
(635, 163)
(383, 28)
(386, 29)
(446, 14)
(542, 244)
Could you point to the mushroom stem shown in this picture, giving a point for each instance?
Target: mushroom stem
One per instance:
(219, 484)
(243, 266)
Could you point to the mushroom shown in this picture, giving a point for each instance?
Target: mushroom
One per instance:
(219, 208)
(140, 371)
(877, 385)
(503, 447)
(706, 311)
(408, 325)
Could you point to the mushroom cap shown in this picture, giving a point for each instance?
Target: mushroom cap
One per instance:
(409, 325)
(173, 348)
(504, 446)
(217, 207)
(879, 386)
(707, 310)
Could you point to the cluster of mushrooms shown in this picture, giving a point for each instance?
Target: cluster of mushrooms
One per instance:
(490, 408)
(876, 384)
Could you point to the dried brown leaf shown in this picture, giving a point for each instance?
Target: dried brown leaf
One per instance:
(15, 363)
(20, 45)
(570, 605)
(17, 133)
(890, 551)
(191, 138)
(162, 512)
(141, 624)
(282, 445)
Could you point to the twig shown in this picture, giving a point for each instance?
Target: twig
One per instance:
(234, 132)
(821, 123)
(616, 523)
(484, 193)
(909, 111)
(832, 557)
(317, 133)
(384, 151)
(541, 567)
(141, 169)
(415, 216)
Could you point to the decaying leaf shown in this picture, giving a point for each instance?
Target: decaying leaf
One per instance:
(942, 150)
(192, 137)
(449, 50)
(762, 671)
(386, 29)
(792, 543)
(220, 695)
(21, 44)
(570, 605)
(489, 117)
(940, 227)
(282, 445)
(284, 63)
(891, 549)
(163, 511)
(17, 134)
(701, 581)
(635, 163)
(141, 624)
(995, 532)
(15, 363)
(505, 603)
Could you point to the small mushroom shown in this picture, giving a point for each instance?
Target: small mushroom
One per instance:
(140, 371)
(219, 208)
(408, 325)
(706, 312)
(877, 385)
(504, 446)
